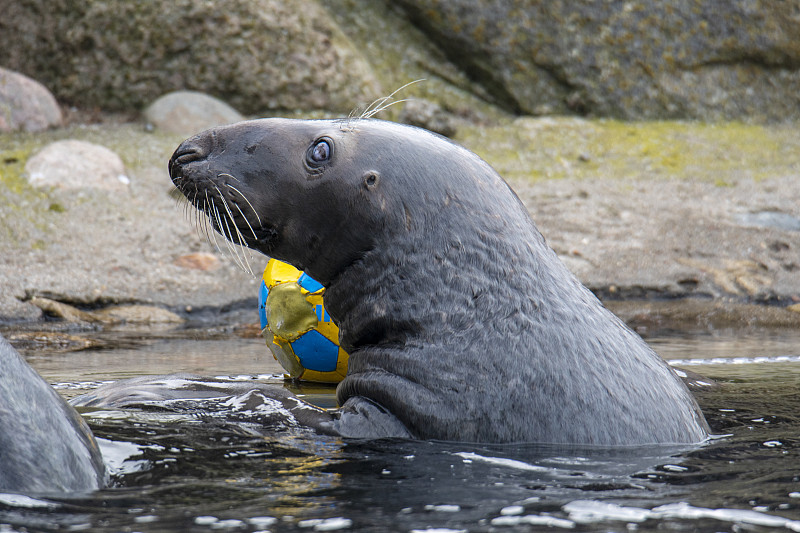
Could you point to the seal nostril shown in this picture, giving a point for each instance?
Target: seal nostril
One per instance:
(186, 153)
(187, 157)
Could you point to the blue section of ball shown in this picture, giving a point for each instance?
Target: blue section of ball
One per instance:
(263, 291)
(309, 283)
(316, 352)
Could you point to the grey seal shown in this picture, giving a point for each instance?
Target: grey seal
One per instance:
(461, 323)
(45, 446)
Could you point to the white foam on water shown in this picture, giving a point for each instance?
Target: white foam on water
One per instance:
(736, 360)
(438, 530)
(591, 511)
(326, 524)
(262, 521)
(534, 520)
(588, 511)
(501, 461)
(231, 523)
(445, 508)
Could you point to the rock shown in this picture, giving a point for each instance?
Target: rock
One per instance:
(26, 104)
(248, 331)
(255, 54)
(198, 261)
(52, 341)
(188, 112)
(136, 314)
(712, 59)
(735, 277)
(73, 164)
(63, 311)
(118, 314)
(428, 115)
(691, 314)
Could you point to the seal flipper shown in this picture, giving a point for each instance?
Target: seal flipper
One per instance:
(45, 446)
(360, 418)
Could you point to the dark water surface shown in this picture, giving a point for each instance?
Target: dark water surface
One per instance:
(174, 472)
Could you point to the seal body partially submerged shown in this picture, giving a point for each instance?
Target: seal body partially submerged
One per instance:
(461, 323)
(45, 446)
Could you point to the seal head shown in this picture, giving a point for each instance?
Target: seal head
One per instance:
(297, 207)
(461, 323)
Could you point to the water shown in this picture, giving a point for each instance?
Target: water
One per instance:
(174, 472)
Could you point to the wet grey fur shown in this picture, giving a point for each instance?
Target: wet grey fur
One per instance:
(461, 323)
(45, 446)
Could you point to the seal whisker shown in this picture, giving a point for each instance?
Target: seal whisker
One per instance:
(378, 104)
(211, 235)
(240, 241)
(194, 216)
(231, 218)
(243, 246)
(246, 200)
(252, 231)
(231, 176)
(218, 223)
(207, 224)
(386, 106)
(241, 260)
(225, 230)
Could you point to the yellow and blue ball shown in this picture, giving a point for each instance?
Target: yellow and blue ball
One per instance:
(298, 331)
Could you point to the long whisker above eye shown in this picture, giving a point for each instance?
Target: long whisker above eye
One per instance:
(385, 106)
(380, 104)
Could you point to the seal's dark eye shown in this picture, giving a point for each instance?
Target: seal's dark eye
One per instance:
(320, 152)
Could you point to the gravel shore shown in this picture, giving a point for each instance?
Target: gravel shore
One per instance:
(670, 210)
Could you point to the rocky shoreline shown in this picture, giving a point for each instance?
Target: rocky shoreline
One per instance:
(630, 225)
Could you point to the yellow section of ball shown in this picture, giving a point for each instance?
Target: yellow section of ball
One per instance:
(279, 272)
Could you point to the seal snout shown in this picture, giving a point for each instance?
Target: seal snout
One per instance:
(188, 152)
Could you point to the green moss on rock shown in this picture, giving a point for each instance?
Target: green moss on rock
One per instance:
(533, 149)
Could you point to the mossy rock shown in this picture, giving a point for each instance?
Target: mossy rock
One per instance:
(257, 55)
(706, 59)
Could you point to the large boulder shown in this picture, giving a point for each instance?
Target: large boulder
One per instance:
(26, 104)
(707, 59)
(120, 55)
(188, 112)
